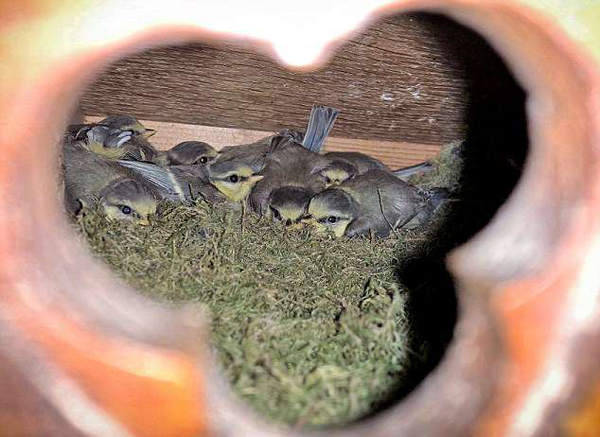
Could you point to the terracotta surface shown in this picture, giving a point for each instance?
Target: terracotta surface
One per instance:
(527, 346)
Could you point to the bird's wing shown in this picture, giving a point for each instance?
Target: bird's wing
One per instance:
(365, 225)
(402, 203)
(387, 200)
(252, 155)
(160, 177)
(320, 122)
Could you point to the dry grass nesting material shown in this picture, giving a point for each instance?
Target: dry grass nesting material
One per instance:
(309, 330)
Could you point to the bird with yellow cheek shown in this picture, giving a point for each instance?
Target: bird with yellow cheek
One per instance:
(234, 179)
(188, 153)
(221, 182)
(120, 135)
(361, 162)
(347, 165)
(137, 146)
(91, 179)
(288, 205)
(337, 172)
(375, 203)
(331, 211)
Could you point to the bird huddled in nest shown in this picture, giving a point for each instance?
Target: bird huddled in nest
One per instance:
(218, 183)
(375, 202)
(121, 135)
(188, 153)
(92, 180)
(292, 170)
(282, 176)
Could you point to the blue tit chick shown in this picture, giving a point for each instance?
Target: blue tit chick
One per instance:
(288, 205)
(320, 123)
(234, 179)
(292, 164)
(107, 144)
(218, 183)
(189, 153)
(138, 147)
(347, 165)
(337, 172)
(92, 180)
(288, 165)
(374, 203)
(255, 154)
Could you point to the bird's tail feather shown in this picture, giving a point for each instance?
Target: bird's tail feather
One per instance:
(320, 122)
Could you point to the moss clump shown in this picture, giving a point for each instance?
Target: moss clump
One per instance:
(309, 330)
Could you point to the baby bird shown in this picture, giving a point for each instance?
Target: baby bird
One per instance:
(320, 122)
(294, 169)
(90, 179)
(337, 172)
(216, 183)
(188, 153)
(234, 179)
(106, 144)
(255, 154)
(288, 205)
(138, 147)
(375, 202)
(289, 164)
(346, 165)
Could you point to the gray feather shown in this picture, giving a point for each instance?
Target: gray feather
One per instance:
(320, 122)
(158, 176)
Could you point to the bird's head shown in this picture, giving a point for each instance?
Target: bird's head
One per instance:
(127, 123)
(331, 211)
(337, 172)
(192, 153)
(128, 200)
(288, 205)
(234, 179)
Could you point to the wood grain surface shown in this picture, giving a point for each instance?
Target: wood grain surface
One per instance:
(413, 78)
(393, 154)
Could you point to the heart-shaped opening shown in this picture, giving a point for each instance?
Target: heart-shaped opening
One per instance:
(307, 333)
(106, 360)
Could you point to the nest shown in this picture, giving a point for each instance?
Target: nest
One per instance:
(310, 331)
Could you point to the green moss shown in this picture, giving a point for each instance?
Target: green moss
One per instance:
(309, 330)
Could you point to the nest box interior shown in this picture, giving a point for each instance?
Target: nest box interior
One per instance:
(406, 87)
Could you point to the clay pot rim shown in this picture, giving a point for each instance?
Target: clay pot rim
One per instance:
(472, 14)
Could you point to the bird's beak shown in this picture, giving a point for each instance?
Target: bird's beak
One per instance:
(308, 221)
(296, 226)
(144, 222)
(256, 177)
(149, 132)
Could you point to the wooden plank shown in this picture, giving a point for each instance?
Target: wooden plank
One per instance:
(393, 154)
(413, 78)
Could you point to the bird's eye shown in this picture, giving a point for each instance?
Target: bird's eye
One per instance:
(234, 178)
(203, 160)
(332, 219)
(328, 180)
(126, 210)
(276, 214)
